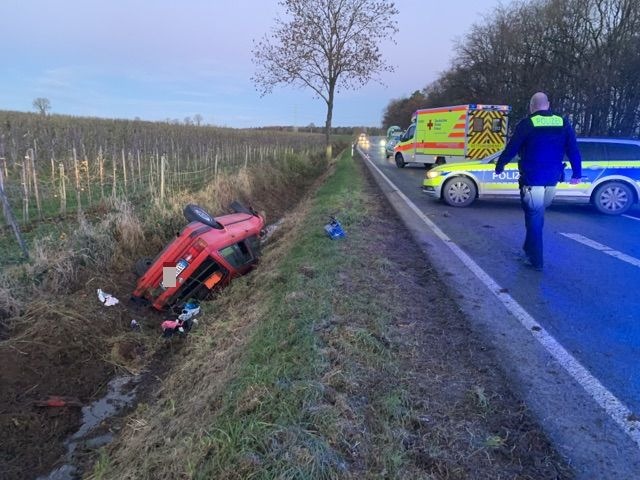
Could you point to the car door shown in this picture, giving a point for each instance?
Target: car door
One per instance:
(501, 185)
(239, 256)
(594, 163)
(409, 151)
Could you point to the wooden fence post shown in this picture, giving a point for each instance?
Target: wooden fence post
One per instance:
(35, 182)
(124, 171)
(163, 161)
(85, 165)
(8, 215)
(77, 172)
(63, 190)
(25, 191)
(101, 172)
(113, 187)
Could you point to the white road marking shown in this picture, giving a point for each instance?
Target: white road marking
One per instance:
(603, 248)
(631, 217)
(618, 412)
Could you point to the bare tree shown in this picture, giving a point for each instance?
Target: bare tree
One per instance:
(197, 119)
(42, 105)
(325, 45)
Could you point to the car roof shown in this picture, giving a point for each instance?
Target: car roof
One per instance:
(628, 141)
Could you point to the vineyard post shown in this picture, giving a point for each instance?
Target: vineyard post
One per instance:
(77, 172)
(6, 172)
(163, 161)
(139, 169)
(124, 171)
(25, 191)
(63, 190)
(86, 166)
(113, 187)
(215, 167)
(132, 169)
(8, 215)
(101, 172)
(53, 171)
(35, 182)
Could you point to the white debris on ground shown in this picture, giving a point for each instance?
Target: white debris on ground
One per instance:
(107, 299)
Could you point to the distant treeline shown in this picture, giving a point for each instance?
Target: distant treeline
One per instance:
(584, 53)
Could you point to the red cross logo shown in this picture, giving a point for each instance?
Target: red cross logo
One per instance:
(430, 125)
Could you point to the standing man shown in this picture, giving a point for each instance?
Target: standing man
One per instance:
(542, 139)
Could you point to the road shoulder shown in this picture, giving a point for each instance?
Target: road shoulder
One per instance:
(582, 432)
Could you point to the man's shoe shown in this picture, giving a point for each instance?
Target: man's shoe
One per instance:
(528, 263)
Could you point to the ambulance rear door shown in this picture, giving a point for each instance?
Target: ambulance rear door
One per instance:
(486, 130)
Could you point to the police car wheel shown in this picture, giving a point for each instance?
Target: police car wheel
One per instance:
(613, 198)
(400, 163)
(459, 192)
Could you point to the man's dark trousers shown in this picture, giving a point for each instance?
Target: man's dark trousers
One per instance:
(534, 200)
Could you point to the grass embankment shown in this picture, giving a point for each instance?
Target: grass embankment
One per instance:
(324, 363)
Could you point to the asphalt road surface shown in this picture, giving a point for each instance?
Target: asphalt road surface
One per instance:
(587, 297)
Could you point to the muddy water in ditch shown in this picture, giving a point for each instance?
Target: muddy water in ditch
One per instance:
(121, 393)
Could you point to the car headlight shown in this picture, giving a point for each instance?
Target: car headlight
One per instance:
(383, 142)
(433, 174)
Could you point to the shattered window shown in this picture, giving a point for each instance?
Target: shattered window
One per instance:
(237, 254)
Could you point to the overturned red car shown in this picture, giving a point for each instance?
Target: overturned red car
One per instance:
(204, 257)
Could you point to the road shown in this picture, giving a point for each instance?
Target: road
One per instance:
(587, 297)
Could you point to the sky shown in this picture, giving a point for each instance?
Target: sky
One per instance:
(171, 59)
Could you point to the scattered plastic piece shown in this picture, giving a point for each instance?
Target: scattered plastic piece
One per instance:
(190, 310)
(334, 229)
(107, 299)
(135, 325)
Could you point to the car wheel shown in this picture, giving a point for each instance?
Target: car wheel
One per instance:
(142, 265)
(194, 213)
(613, 198)
(459, 192)
(400, 163)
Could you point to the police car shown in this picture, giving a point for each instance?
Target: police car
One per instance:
(610, 169)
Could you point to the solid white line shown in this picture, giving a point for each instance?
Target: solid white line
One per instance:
(614, 407)
(632, 217)
(603, 248)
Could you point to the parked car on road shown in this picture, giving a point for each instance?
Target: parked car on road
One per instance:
(610, 168)
(204, 257)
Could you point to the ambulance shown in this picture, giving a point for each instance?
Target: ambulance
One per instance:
(453, 134)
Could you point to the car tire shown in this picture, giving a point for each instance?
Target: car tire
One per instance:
(459, 192)
(195, 213)
(142, 265)
(613, 198)
(400, 163)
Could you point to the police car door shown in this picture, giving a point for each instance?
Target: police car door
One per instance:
(594, 163)
(504, 184)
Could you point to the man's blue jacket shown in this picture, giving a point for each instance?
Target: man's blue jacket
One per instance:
(542, 139)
